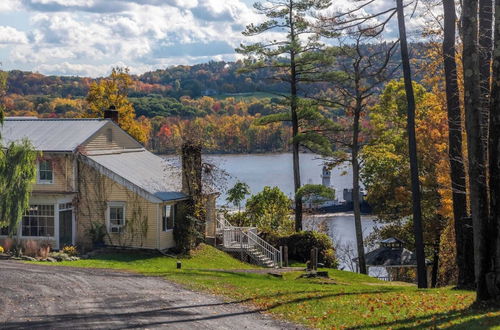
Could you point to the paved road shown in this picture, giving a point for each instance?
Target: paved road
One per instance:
(33, 296)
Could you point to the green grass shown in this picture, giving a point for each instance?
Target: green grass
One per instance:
(346, 300)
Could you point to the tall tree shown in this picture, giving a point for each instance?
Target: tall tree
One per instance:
(365, 64)
(485, 43)
(492, 234)
(412, 146)
(476, 155)
(386, 164)
(465, 258)
(293, 60)
(113, 91)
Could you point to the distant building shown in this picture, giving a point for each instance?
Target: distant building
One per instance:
(209, 92)
(326, 177)
(347, 195)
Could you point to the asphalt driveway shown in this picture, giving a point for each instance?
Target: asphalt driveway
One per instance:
(36, 296)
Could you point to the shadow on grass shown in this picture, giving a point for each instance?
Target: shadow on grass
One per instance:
(468, 318)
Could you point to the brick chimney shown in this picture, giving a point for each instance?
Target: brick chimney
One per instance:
(111, 113)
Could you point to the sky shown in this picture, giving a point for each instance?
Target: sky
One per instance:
(89, 37)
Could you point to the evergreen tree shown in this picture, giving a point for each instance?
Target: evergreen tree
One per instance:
(295, 59)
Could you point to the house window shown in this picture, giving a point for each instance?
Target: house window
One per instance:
(38, 221)
(116, 217)
(4, 231)
(168, 217)
(45, 172)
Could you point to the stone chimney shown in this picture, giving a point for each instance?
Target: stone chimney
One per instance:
(191, 170)
(111, 113)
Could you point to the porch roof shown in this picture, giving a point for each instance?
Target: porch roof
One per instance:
(143, 172)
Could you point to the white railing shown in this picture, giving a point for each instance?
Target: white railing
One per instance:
(222, 222)
(246, 240)
(265, 248)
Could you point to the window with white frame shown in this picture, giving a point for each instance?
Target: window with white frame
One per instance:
(38, 221)
(168, 217)
(45, 171)
(116, 217)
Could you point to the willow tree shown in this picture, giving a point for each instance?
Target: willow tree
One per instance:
(17, 172)
(113, 92)
(294, 58)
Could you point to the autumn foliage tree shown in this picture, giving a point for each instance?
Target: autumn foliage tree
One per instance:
(386, 163)
(113, 91)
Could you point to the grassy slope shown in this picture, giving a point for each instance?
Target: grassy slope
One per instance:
(347, 300)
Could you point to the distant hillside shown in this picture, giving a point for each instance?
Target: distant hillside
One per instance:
(216, 79)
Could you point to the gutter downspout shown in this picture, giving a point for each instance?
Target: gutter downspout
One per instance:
(157, 227)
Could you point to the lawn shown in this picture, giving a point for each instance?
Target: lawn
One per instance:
(346, 300)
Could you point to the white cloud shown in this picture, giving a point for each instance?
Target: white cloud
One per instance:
(9, 35)
(88, 37)
(10, 5)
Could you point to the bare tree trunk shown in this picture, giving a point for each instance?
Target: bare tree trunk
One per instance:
(459, 189)
(492, 235)
(435, 264)
(477, 172)
(412, 146)
(485, 47)
(295, 128)
(355, 190)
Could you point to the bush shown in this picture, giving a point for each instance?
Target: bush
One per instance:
(1, 249)
(300, 245)
(97, 232)
(7, 244)
(31, 248)
(70, 250)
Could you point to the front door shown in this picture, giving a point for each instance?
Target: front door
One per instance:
(65, 228)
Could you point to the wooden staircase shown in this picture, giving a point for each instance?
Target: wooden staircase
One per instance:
(246, 241)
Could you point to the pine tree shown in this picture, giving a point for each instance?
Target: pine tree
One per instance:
(293, 59)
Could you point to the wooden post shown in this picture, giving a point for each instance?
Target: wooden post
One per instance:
(316, 252)
(285, 255)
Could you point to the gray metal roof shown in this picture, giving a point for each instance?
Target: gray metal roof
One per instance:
(63, 135)
(143, 170)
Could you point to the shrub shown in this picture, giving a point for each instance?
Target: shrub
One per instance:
(300, 245)
(31, 248)
(70, 250)
(7, 244)
(97, 232)
(1, 249)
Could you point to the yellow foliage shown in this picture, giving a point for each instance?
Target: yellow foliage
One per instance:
(70, 250)
(113, 91)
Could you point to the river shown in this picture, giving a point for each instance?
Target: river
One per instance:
(260, 170)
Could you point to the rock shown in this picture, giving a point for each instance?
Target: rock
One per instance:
(27, 258)
(276, 274)
(50, 259)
